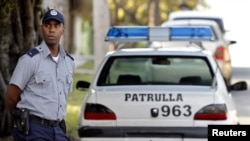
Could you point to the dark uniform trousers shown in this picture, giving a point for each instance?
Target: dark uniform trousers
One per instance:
(41, 130)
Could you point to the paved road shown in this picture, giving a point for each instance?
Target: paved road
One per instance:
(242, 97)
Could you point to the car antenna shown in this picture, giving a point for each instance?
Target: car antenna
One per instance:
(198, 44)
(119, 46)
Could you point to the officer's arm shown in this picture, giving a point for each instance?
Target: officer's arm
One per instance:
(12, 96)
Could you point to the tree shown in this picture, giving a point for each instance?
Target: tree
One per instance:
(153, 13)
(19, 31)
(145, 12)
(101, 25)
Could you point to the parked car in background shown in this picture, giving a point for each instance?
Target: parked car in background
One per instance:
(219, 46)
(158, 94)
(201, 15)
(198, 15)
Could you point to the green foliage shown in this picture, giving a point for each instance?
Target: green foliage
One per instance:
(136, 12)
(87, 65)
(133, 12)
(75, 100)
(6, 6)
(84, 7)
(73, 108)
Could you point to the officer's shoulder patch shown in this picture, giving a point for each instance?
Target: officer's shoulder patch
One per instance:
(69, 56)
(32, 52)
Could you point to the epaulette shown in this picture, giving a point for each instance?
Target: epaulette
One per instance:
(70, 56)
(32, 52)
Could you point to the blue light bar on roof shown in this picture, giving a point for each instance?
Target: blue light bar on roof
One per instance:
(157, 33)
(191, 33)
(120, 33)
(137, 33)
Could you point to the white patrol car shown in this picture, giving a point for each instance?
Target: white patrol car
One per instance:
(155, 94)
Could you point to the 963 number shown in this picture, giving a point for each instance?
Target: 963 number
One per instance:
(176, 110)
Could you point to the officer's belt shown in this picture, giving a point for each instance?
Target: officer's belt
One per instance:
(43, 121)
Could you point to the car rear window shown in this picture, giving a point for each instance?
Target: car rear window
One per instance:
(156, 70)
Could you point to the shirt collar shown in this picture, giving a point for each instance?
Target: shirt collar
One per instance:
(46, 51)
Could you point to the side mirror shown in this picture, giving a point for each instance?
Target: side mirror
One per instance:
(232, 42)
(82, 85)
(242, 85)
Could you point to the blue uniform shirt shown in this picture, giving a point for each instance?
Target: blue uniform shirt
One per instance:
(45, 82)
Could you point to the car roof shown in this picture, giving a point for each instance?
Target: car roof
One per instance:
(190, 22)
(194, 13)
(196, 22)
(203, 15)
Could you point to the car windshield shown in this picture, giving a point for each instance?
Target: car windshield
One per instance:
(156, 70)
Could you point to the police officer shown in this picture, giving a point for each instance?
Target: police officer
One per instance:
(40, 84)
